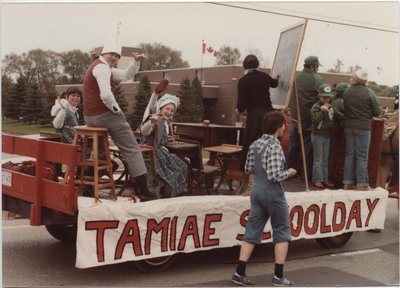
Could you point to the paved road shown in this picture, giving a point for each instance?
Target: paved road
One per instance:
(32, 258)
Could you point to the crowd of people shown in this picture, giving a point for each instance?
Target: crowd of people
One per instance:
(321, 116)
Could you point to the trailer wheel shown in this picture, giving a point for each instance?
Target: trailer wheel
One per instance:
(334, 242)
(155, 264)
(63, 232)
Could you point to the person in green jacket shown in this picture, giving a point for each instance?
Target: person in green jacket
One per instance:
(360, 106)
(337, 136)
(322, 123)
(307, 84)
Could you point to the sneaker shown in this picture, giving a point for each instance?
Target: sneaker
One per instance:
(241, 280)
(328, 184)
(363, 188)
(281, 281)
(348, 187)
(318, 185)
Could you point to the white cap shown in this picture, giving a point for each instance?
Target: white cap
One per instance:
(361, 75)
(112, 47)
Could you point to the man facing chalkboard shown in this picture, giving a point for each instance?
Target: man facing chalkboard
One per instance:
(253, 96)
(307, 83)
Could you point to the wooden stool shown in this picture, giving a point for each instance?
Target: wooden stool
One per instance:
(98, 165)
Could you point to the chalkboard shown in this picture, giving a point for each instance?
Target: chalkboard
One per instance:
(285, 64)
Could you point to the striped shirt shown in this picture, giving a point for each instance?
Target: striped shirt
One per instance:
(273, 160)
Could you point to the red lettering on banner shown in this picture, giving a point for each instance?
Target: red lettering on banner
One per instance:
(172, 233)
(371, 208)
(324, 228)
(243, 223)
(189, 229)
(266, 235)
(299, 225)
(355, 214)
(100, 227)
(339, 226)
(313, 229)
(208, 231)
(131, 234)
(153, 226)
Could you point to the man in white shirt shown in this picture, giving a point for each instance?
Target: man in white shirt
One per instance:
(100, 109)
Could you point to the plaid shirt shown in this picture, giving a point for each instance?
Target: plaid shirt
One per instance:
(273, 159)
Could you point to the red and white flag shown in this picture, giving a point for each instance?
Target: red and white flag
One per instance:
(209, 49)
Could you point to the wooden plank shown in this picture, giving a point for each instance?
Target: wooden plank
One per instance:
(58, 196)
(26, 147)
(23, 186)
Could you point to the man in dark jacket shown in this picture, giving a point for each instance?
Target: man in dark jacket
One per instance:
(254, 96)
(307, 84)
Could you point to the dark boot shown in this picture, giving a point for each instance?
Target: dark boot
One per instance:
(144, 193)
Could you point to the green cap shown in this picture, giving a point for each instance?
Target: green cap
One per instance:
(325, 90)
(312, 60)
(342, 86)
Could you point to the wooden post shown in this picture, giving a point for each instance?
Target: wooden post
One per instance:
(300, 131)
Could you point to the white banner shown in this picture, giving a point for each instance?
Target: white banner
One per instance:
(118, 231)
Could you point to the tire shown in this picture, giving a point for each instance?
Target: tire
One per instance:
(63, 232)
(155, 264)
(334, 242)
(322, 242)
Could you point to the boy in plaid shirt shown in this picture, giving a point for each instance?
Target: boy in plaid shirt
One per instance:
(266, 161)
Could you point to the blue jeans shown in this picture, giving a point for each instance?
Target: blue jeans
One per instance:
(292, 157)
(263, 209)
(356, 159)
(321, 156)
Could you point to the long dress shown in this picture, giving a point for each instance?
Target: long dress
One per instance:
(172, 169)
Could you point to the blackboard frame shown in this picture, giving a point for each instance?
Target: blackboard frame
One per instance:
(285, 63)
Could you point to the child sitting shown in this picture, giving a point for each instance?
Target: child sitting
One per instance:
(172, 169)
(322, 122)
(66, 113)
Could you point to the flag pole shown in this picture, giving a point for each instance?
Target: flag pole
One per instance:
(201, 64)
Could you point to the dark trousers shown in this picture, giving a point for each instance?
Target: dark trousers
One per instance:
(293, 156)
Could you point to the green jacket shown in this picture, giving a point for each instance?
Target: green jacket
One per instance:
(321, 122)
(338, 118)
(307, 84)
(360, 105)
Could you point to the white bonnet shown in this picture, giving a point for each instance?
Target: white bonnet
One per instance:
(168, 99)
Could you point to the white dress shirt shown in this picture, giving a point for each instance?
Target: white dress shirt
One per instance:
(103, 72)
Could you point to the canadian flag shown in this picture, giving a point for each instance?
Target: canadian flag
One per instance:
(209, 49)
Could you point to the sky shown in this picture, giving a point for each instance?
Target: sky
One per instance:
(182, 26)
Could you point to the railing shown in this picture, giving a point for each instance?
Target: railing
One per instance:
(36, 189)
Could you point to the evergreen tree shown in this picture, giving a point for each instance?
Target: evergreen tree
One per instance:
(197, 100)
(48, 102)
(33, 107)
(185, 111)
(141, 100)
(119, 97)
(6, 88)
(17, 99)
